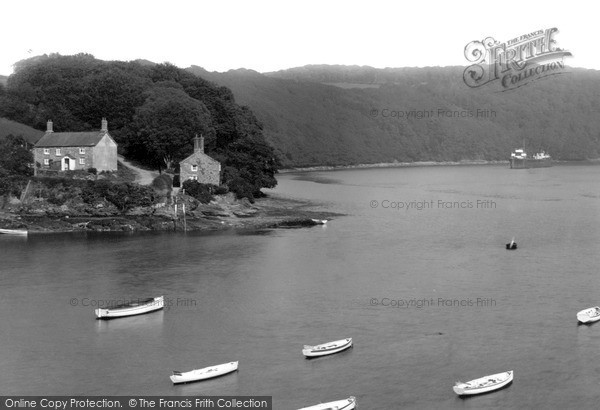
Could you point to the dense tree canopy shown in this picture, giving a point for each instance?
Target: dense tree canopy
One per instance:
(154, 112)
(15, 165)
(15, 156)
(161, 129)
(340, 115)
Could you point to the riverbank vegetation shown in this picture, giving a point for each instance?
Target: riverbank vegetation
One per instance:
(153, 112)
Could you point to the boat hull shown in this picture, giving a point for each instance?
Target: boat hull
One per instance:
(327, 348)
(478, 386)
(590, 315)
(204, 374)
(19, 232)
(346, 404)
(112, 313)
(526, 163)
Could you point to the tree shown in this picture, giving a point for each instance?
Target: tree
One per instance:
(15, 156)
(153, 112)
(163, 127)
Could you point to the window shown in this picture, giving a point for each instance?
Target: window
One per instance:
(46, 151)
(46, 161)
(81, 161)
(194, 168)
(58, 151)
(194, 177)
(82, 152)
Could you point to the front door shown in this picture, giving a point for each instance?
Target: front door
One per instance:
(66, 164)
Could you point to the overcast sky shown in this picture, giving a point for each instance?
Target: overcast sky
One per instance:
(273, 35)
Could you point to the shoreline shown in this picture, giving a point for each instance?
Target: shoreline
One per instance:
(222, 214)
(391, 165)
(417, 164)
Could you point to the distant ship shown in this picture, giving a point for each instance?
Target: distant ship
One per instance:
(520, 160)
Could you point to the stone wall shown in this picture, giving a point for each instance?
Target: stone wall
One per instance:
(208, 170)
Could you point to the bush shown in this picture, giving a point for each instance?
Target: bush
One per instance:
(221, 190)
(242, 189)
(123, 195)
(163, 182)
(202, 192)
(11, 184)
(92, 170)
(56, 198)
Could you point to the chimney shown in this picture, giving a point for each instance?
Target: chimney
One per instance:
(198, 144)
(104, 125)
(49, 126)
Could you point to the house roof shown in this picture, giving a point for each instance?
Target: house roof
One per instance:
(71, 139)
(197, 154)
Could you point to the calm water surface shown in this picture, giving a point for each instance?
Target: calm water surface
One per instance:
(257, 297)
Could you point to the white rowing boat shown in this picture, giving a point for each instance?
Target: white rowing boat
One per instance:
(589, 315)
(327, 348)
(137, 307)
(319, 221)
(346, 404)
(484, 384)
(20, 232)
(203, 374)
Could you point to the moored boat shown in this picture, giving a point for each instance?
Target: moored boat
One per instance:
(203, 374)
(137, 307)
(327, 348)
(346, 404)
(484, 384)
(589, 315)
(512, 245)
(319, 221)
(520, 160)
(20, 232)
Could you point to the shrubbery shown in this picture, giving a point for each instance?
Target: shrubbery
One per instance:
(202, 192)
(123, 195)
(163, 182)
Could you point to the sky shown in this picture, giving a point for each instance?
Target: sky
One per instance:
(262, 35)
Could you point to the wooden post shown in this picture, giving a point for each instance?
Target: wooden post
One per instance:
(184, 220)
(175, 217)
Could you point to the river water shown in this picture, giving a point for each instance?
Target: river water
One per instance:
(415, 272)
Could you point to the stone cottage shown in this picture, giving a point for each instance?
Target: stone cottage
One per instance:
(69, 151)
(200, 166)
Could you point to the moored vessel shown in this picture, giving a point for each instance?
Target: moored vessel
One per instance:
(589, 315)
(346, 404)
(20, 232)
(484, 384)
(520, 160)
(203, 374)
(327, 348)
(137, 307)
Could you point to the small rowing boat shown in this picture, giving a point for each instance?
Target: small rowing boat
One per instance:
(589, 315)
(137, 307)
(327, 348)
(512, 245)
(346, 404)
(21, 232)
(203, 374)
(484, 384)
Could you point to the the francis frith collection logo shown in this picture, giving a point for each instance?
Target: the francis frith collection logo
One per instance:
(516, 62)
